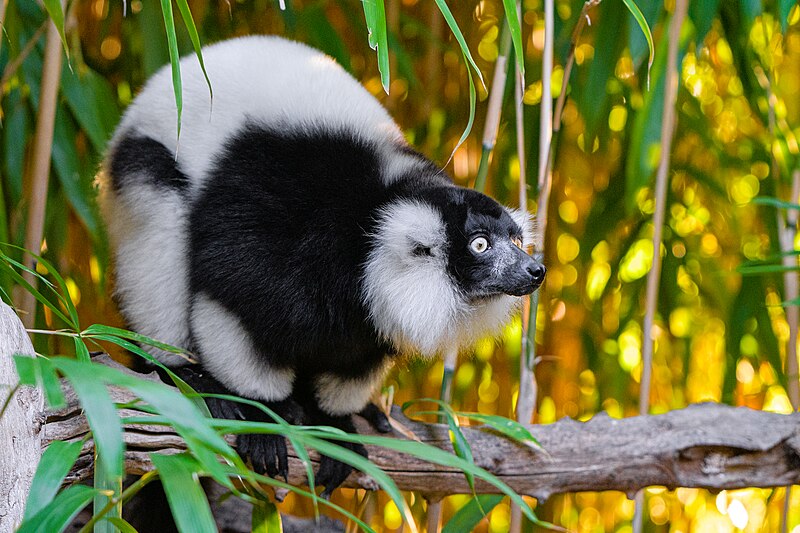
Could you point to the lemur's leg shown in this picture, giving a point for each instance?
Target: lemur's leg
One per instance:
(267, 453)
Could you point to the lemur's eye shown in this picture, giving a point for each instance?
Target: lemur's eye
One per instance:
(479, 245)
(517, 241)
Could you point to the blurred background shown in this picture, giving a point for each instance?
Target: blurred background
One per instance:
(721, 333)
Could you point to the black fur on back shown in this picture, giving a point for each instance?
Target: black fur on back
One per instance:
(279, 235)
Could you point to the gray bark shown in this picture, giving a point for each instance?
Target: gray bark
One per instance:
(20, 425)
(706, 445)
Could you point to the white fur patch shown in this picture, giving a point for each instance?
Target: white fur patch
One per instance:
(340, 396)
(412, 299)
(265, 79)
(228, 353)
(146, 229)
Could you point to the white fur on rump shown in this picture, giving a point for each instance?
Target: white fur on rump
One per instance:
(231, 356)
(145, 228)
(411, 298)
(265, 79)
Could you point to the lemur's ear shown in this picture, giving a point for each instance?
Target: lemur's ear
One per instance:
(412, 229)
(525, 221)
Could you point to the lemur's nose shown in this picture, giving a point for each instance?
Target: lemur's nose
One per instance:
(537, 272)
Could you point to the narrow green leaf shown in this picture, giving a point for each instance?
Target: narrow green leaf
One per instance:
(7, 264)
(174, 58)
(451, 21)
(512, 19)
(266, 518)
(637, 14)
(95, 329)
(38, 371)
(60, 512)
(506, 426)
(56, 13)
(91, 100)
(107, 488)
(746, 270)
(774, 202)
(186, 14)
(81, 351)
(185, 495)
(55, 464)
(784, 10)
(471, 120)
(467, 518)
(100, 413)
(122, 525)
(375, 16)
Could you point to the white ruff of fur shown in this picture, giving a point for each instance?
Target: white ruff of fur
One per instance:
(339, 396)
(412, 299)
(228, 353)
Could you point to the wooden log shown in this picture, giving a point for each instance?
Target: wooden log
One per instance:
(705, 445)
(20, 425)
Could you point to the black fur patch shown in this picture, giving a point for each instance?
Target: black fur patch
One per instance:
(145, 160)
(279, 237)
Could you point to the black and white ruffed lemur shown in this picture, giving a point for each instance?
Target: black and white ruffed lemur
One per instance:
(294, 242)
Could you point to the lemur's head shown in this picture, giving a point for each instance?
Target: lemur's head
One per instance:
(446, 268)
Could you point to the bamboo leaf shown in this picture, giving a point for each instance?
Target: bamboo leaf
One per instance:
(266, 518)
(186, 497)
(642, 22)
(121, 524)
(774, 202)
(186, 14)
(60, 512)
(375, 15)
(451, 22)
(174, 58)
(467, 518)
(56, 13)
(784, 10)
(55, 464)
(512, 19)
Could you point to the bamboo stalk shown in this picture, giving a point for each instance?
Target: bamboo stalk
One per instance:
(526, 367)
(40, 167)
(791, 292)
(660, 196)
(495, 108)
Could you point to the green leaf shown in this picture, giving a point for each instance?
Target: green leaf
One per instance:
(186, 14)
(107, 488)
(642, 22)
(784, 10)
(266, 518)
(35, 371)
(92, 101)
(375, 15)
(774, 202)
(7, 264)
(702, 15)
(512, 19)
(60, 512)
(100, 413)
(100, 329)
(81, 351)
(185, 495)
(506, 426)
(56, 13)
(451, 21)
(174, 58)
(55, 464)
(122, 525)
(749, 270)
(467, 518)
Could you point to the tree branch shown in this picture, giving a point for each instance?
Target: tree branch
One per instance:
(706, 445)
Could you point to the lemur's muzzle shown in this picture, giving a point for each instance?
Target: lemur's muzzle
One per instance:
(524, 276)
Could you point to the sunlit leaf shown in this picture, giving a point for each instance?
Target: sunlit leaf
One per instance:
(266, 518)
(186, 14)
(642, 22)
(60, 512)
(468, 516)
(174, 58)
(55, 464)
(375, 15)
(185, 495)
(512, 19)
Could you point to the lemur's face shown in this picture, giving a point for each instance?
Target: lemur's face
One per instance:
(486, 256)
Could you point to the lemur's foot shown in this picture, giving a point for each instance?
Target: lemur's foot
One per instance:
(266, 452)
(376, 418)
(332, 472)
